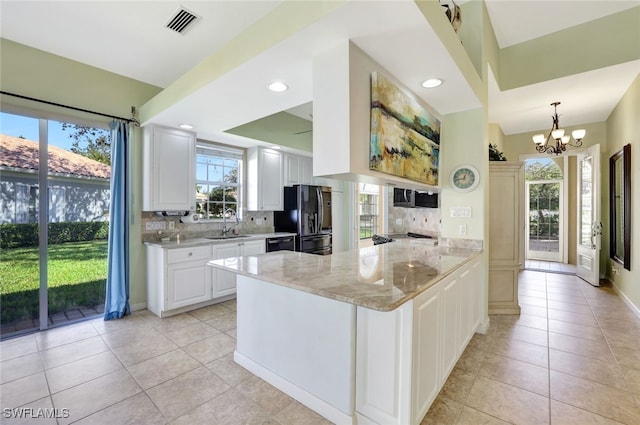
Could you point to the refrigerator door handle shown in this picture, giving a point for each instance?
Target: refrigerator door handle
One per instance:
(320, 210)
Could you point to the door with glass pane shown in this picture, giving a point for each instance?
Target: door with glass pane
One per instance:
(544, 201)
(54, 240)
(589, 224)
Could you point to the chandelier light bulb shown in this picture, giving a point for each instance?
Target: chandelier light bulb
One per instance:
(565, 139)
(579, 134)
(539, 139)
(557, 133)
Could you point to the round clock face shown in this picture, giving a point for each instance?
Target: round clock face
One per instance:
(464, 178)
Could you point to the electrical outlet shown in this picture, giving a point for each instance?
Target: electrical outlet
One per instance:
(258, 222)
(463, 229)
(399, 221)
(155, 225)
(172, 225)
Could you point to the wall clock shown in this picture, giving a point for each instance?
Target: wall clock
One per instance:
(465, 178)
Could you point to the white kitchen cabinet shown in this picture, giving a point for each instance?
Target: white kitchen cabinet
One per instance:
(404, 356)
(265, 179)
(168, 169)
(224, 282)
(177, 278)
(297, 170)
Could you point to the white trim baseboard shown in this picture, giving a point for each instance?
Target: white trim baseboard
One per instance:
(319, 406)
(626, 300)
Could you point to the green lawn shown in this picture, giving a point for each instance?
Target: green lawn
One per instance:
(77, 272)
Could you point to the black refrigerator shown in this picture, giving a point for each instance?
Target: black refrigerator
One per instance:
(307, 212)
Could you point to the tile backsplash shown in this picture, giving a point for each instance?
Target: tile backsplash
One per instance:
(252, 222)
(419, 220)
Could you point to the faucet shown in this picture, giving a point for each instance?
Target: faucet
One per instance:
(226, 229)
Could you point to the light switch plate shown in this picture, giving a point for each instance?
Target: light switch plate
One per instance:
(460, 212)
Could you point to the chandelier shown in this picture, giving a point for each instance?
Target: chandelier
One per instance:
(557, 134)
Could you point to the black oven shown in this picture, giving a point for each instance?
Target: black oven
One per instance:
(281, 243)
(316, 244)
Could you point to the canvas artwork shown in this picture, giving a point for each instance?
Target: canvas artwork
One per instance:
(405, 137)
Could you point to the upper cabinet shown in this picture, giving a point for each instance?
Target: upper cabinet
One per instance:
(168, 176)
(297, 170)
(265, 179)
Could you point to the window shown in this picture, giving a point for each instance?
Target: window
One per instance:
(218, 181)
(368, 211)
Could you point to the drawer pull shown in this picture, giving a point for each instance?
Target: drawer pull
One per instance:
(190, 254)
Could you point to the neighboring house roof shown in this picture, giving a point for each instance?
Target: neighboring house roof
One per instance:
(20, 153)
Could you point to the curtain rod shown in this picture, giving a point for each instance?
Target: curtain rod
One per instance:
(131, 120)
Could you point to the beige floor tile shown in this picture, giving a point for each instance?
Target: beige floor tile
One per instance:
(563, 306)
(227, 369)
(229, 408)
(30, 417)
(164, 367)
(173, 323)
(532, 322)
(575, 298)
(519, 350)
(533, 310)
(135, 410)
(298, 414)
(587, 319)
(210, 312)
(533, 292)
(129, 335)
(20, 367)
(534, 301)
(514, 372)
(458, 385)
(192, 333)
(233, 333)
(470, 416)
(627, 357)
(573, 329)
(583, 347)
(211, 348)
(71, 374)
(508, 403)
(64, 335)
(71, 352)
(597, 398)
(24, 390)
(186, 392)
(142, 349)
(632, 377)
(223, 323)
(93, 396)
(137, 320)
(564, 414)
(471, 359)
(18, 347)
(592, 369)
(622, 339)
(480, 342)
(266, 396)
(230, 304)
(526, 334)
(443, 411)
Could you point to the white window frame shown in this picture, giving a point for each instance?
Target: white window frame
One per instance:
(220, 151)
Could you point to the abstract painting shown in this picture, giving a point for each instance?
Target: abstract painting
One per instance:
(405, 137)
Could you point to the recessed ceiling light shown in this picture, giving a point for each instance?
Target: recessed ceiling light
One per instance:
(278, 86)
(186, 126)
(431, 83)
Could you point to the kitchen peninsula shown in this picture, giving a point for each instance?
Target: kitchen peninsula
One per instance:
(363, 336)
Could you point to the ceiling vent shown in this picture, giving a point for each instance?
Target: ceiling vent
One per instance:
(182, 20)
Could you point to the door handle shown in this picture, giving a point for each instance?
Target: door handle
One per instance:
(596, 230)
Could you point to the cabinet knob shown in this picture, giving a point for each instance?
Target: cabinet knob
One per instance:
(190, 254)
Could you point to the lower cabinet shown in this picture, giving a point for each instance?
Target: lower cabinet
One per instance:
(224, 282)
(178, 278)
(404, 357)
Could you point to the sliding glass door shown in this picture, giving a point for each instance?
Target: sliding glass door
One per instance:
(54, 241)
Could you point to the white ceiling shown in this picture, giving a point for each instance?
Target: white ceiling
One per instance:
(88, 31)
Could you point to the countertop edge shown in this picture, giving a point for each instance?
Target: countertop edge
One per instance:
(205, 241)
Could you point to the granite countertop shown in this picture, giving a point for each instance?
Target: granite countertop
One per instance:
(197, 241)
(380, 277)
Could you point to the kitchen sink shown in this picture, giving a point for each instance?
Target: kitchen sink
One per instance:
(218, 238)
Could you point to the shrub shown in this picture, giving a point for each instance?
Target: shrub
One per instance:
(26, 234)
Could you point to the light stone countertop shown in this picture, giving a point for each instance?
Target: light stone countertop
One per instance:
(380, 277)
(198, 241)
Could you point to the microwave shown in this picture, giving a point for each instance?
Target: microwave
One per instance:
(409, 198)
